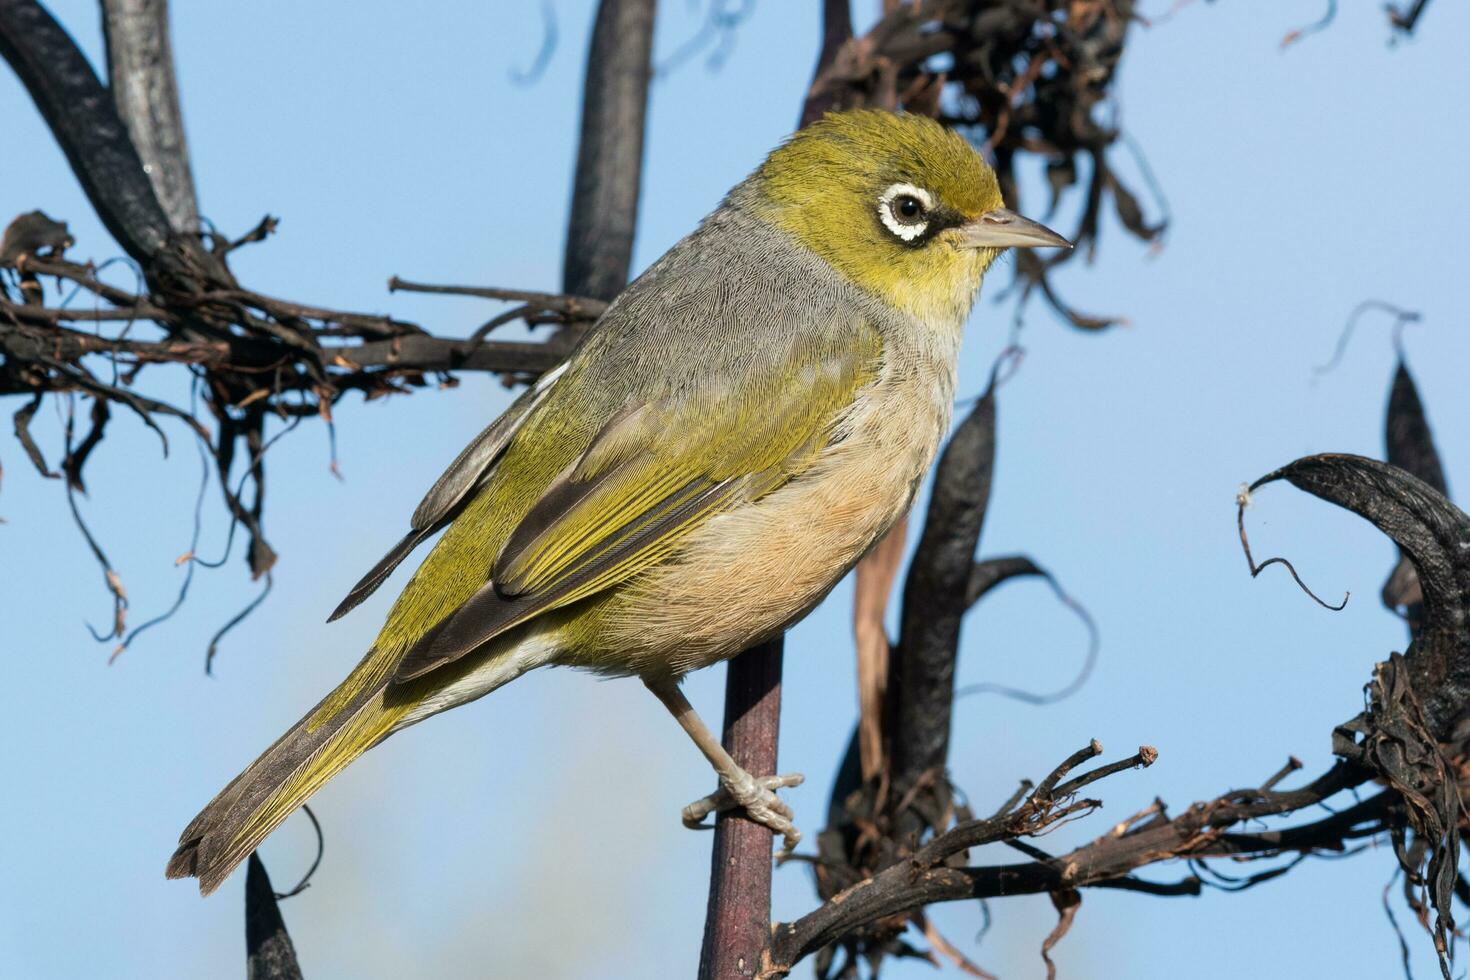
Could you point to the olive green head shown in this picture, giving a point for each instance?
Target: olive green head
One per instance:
(904, 207)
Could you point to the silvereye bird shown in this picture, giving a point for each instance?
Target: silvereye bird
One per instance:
(741, 425)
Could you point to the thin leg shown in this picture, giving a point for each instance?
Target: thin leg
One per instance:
(756, 795)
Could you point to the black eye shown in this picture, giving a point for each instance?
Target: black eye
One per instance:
(908, 208)
(904, 210)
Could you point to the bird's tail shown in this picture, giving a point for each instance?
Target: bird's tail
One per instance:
(364, 710)
(266, 793)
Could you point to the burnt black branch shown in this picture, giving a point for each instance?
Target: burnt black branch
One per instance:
(1410, 446)
(1149, 837)
(82, 117)
(261, 359)
(269, 952)
(935, 600)
(1435, 535)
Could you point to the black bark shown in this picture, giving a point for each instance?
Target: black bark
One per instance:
(268, 949)
(610, 150)
(85, 123)
(1435, 535)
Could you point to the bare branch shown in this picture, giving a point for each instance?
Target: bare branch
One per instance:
(140, 67)
(738, 919)
(1107, 861)
(1433, 533)
(81, 115)
(1410, 446)
(933, 607)
(610, 150)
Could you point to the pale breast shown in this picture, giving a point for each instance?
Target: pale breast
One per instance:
(751, 572)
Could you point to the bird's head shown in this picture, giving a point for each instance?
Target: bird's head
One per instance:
(904, 207)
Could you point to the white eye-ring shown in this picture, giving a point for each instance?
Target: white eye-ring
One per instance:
(904, 210)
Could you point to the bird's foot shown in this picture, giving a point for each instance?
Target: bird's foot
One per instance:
(756, 795)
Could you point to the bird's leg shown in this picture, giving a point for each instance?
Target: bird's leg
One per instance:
(756, 795)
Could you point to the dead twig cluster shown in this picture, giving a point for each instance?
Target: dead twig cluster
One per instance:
(68, 331)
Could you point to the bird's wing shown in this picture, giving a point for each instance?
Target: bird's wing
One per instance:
(653, 474)
(453, 488)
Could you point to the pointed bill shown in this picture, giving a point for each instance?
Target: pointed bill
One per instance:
(1004, 228)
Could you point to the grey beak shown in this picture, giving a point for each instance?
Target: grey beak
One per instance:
(1004, 228)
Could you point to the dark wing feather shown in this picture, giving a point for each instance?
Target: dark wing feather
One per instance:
(369, 583)
(451, 491)
(650, 476)
(489, 613)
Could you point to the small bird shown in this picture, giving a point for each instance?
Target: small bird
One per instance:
(744, 421)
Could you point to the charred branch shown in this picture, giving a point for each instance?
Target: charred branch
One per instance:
(257, 356)
(929, 876)
(140, 69)
(82, 117)
(1435, 535)
(1410, 446)
(1408, 739)
(269, 952)
(934, 603)
(737, 923)
(610, 150)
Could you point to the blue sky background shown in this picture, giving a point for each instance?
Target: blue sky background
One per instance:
(536, 833)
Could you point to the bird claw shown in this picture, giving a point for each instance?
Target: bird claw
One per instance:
(756, 795)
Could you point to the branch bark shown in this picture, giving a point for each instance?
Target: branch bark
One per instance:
(610, 150)
(737, 922)
(82, 117)
(140, 67)
(738, 919)
(1410, 446)
(836, 31)
(1144, 839)
(1435, 535)
(269, 952)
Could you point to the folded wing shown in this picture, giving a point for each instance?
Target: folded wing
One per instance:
(449, 493)
(654, 473)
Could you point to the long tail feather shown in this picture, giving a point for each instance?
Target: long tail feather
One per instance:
(264, 795)
(358, 715)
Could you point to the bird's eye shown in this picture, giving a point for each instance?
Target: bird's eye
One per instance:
(906, 207)
(904, 210)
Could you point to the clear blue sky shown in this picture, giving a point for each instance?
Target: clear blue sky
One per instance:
(536, 833)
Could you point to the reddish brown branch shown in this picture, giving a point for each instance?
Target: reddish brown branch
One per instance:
(736, 928)
(738, 920)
